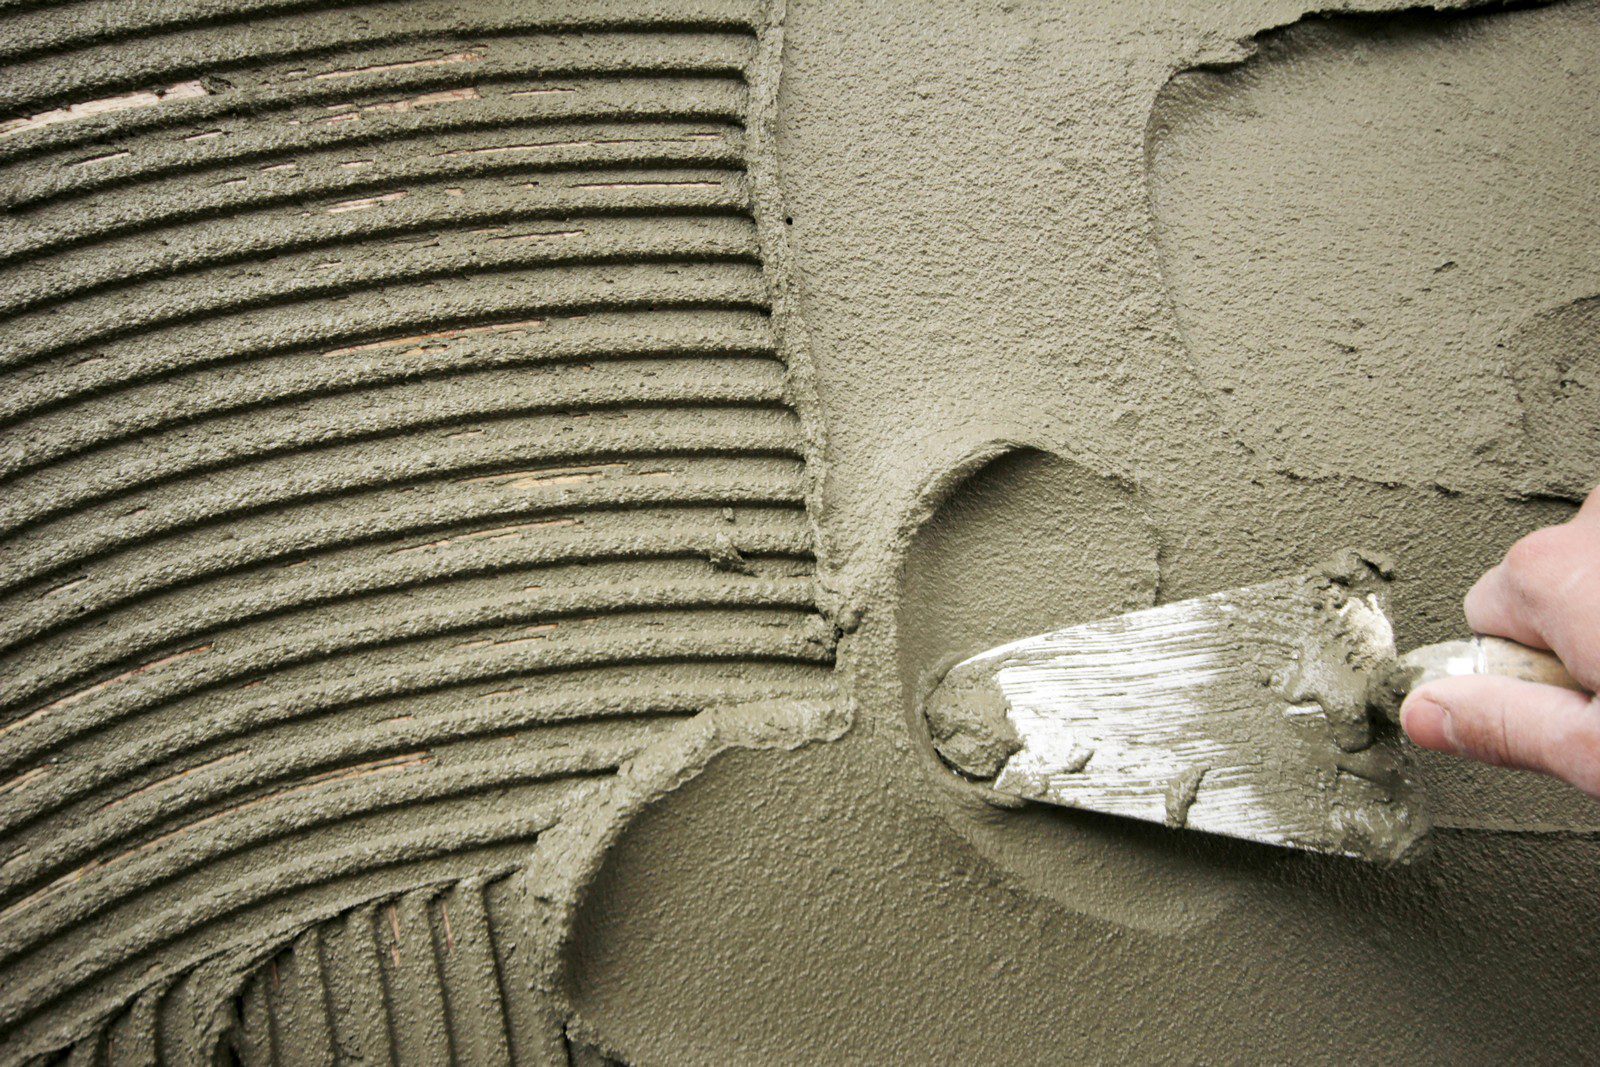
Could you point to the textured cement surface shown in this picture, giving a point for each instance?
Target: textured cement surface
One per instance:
(485, 486)
(1013, 227)
(396, 446)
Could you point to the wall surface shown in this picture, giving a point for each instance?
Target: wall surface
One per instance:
(486, 487)
(1091, 329)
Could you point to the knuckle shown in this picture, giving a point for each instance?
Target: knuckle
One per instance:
(1535, 560)
(1590, 508)
(1535, 551)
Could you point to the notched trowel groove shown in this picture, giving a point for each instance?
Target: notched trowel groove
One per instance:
(1244, 713)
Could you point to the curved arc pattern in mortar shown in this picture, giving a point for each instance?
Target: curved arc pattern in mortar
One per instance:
(554, 885)
(1397, 328)
(1013, 539)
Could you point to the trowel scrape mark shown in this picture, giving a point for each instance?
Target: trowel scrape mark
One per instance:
(81, 695)
(353, 112)
(172, 779)
(535, 235)
(65, 587)
(416, 342)
(583, 142)
(21, 781)
(494, 533)
(647, 185)
(167, 838)
(529, 479)
(104, 157)
(1554, 359)
(370, 429)
(1320, 212)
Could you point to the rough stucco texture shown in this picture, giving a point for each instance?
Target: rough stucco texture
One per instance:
(395, 446)
(1011, 226)
(465, 465)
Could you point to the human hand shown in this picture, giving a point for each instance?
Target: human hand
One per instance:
(1545, 594)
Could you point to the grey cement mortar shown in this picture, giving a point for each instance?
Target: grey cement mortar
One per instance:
(399, 486)
(1000, 244)
(1012, 228)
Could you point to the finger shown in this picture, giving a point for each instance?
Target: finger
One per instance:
(1494, 605)
(1546, 594)
(1589, 510)
(1509, 723)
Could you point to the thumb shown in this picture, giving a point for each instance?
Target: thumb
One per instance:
(1509, 723)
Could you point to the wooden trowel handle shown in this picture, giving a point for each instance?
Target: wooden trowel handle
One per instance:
(1477, 655)
(1488, 655)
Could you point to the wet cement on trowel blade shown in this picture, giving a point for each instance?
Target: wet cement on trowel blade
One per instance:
(1243, 713)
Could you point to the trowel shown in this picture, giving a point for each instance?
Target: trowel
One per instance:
(1267, 713)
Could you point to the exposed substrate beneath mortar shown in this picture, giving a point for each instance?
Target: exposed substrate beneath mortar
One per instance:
(449, 448)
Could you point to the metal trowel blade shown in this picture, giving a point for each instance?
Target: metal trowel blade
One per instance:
(1241, 713)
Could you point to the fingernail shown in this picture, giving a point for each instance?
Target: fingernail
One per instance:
(1427, 723)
